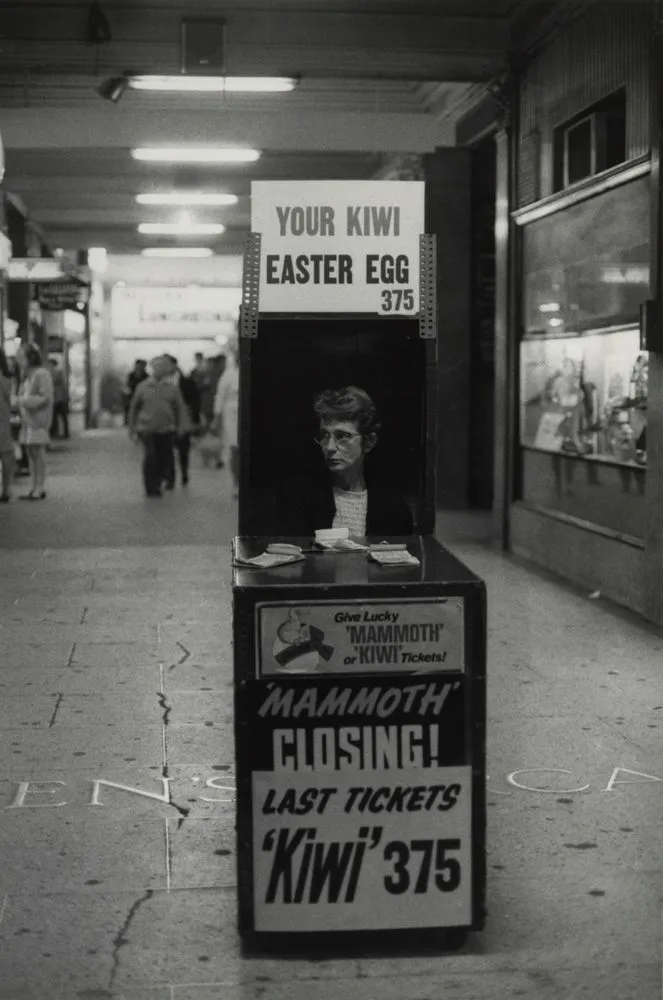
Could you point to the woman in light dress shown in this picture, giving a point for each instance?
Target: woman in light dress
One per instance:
(6, 440)
(35, 403)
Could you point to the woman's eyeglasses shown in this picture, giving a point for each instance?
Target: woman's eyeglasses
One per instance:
(342, 438)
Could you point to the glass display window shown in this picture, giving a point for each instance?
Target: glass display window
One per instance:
(586, 396)
(586, 267)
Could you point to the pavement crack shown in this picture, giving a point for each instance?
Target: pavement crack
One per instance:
(55, 710)
(182, 810)
(84, 615)
(121, 938)
(187, 652)
(165, 718)
(167, 709)
(71, 654)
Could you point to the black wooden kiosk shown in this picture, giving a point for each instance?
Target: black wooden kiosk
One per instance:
(360, 688)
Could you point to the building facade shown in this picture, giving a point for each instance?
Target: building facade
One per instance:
(578, 466)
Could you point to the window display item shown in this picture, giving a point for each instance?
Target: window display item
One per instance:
(586, 395)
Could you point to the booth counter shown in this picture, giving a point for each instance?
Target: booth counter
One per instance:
(360, 742)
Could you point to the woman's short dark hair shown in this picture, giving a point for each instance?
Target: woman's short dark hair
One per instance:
(32, 355)
(350, 403)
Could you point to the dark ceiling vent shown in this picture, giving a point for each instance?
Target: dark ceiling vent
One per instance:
(203, 46)
(98, 27)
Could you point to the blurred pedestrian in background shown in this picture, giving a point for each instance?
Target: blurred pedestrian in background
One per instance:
(199, 372)
(215, 368)
(6, 438)
(22, 467)
(226, 413)
(134, 379)
(157, 415)
(60, 401)
(35, 403)
(191, 397)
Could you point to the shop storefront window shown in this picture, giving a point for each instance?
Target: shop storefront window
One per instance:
(583, 376)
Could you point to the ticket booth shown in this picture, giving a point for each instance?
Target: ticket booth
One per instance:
(359, 658)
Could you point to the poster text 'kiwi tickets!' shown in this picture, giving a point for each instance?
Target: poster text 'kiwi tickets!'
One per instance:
(371, 636)
(339, 246)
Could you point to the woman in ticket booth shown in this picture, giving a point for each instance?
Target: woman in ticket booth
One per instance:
(342, 495)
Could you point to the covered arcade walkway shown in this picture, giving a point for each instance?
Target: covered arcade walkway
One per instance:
(116, 789)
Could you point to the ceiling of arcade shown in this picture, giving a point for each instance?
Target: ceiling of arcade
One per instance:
(377, 79)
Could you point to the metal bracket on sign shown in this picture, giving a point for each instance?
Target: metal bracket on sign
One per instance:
(427, 287)
(248, 317)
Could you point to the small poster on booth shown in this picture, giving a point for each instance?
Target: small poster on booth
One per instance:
(323, 637)
(339, 246)
(361, 803)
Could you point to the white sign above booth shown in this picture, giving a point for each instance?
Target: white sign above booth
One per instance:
(339, 246)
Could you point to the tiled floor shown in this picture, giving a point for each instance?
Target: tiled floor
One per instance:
(116, 773)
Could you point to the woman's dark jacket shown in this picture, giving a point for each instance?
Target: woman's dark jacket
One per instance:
(302, 506)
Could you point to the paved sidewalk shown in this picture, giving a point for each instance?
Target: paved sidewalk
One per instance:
(116, 771)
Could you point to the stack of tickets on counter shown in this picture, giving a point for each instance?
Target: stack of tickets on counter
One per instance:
(392, 554)
(337, 540)
(276, 554)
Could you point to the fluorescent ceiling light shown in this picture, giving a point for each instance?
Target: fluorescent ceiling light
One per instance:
(193, 154)
(177, 252)
(187, 198)
(549, 307)
(216, 84)
(179, 229)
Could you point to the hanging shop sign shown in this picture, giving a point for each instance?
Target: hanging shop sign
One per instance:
(58, 295)
(358, 636)
(339, 246)
(38, 269)
(361, 804)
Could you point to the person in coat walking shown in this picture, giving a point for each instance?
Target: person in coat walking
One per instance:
(191, 396)
(157, 415)
(60, 401)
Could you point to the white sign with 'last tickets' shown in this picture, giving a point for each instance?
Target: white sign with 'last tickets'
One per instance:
(339, 246)
(343, 851)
